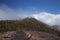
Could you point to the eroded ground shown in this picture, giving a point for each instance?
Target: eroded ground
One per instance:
(27, 35)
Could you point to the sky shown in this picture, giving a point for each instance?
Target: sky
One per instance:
(47, 11)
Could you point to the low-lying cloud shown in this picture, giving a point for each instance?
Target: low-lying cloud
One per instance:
(48, 18)
(7, 13)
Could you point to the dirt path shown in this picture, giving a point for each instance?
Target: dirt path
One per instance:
(20, 35)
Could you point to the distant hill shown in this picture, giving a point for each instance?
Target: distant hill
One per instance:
(26, 24)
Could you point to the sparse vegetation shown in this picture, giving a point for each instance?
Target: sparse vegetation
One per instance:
(26, 24)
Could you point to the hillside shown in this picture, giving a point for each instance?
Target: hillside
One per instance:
(30, 24)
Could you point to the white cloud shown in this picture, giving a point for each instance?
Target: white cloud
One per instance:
(7, 13)
(48, 18)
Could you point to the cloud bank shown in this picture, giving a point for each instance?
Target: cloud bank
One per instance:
(48, 18)
(7, 13)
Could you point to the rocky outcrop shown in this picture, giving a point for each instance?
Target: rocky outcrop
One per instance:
(7, 35)
(27, 35)
(35, 35)
(13, 35)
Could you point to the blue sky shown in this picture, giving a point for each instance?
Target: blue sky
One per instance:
(47, 11)
(52, 6)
